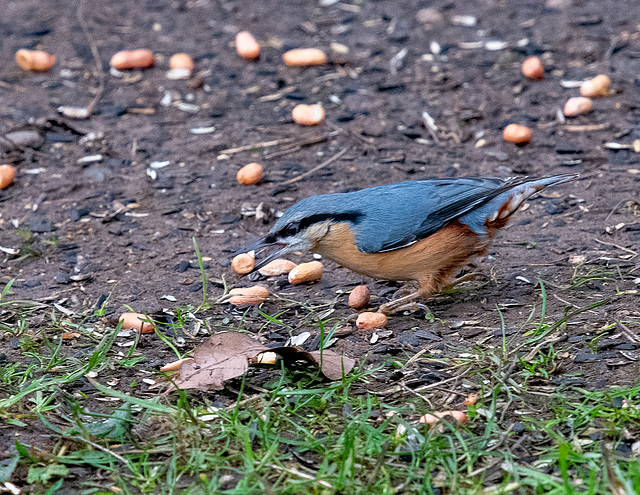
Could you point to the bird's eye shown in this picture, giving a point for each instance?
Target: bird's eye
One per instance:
(291, 229)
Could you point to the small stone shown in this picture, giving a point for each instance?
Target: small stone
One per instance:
(27, 138)
(62, 278)
(41, 225)
(182, 267)
(429, 16)
(586, 357)
(425, 334)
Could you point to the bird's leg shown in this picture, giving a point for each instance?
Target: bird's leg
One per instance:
(405, 303)
(467, 277)
(405, 290)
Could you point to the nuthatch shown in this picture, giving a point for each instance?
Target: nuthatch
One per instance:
(417, 230)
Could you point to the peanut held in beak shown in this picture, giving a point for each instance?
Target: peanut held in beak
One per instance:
(243, 264)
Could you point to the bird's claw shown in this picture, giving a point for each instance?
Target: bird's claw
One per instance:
(412, 307)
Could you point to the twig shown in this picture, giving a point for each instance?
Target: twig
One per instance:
(411, 391)
(431, 126)
(438, 384)
(614, 210)
(501, 459)
(283, 152)
(96, 58)
(507, 373)
(318, 167)
(415, 357)
(566, 302)
(585, 128)
(628, 333)
(371, 479)
(277, 142)
(551, 340)
(99, 447)
(300, 474)
(616, 246)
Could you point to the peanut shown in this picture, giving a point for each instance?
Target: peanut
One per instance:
(277, 267)
(246, 45)
(135, 321)
(371, 321)
(304, 56)
(307, 114)
(133, 59)
(359, 297)
(181, 61)
(35, 60)
(243, 264)
(7, 175)
(533, 69)
(577, 105)
(306, 272)
(250, 174)
(176, 365)
(517, 134)
(598, 86)
(248, 295)
(432, 419)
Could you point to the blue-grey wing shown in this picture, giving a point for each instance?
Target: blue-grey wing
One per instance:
(401, 214)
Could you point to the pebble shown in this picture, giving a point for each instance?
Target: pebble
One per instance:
(429, 16)
(464, 20)
(28, 138)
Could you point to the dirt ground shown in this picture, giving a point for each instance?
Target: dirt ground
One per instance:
(83, 229)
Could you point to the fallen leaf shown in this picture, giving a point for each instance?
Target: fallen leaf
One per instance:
(224, 356)
(331, 365)
(228, 355)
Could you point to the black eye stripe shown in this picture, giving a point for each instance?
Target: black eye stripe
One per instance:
(293, 228)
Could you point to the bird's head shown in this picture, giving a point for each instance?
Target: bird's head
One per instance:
(301, 228)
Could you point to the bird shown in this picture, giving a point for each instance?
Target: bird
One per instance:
(422, 230)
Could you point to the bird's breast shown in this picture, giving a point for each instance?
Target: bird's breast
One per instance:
(450, 246)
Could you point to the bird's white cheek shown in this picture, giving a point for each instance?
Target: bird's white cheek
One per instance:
(297, 244)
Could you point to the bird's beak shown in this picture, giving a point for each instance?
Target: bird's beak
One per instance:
(260, 244)
(273, 256)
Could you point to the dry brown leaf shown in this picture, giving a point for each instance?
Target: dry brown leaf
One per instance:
(224, 356)
(227, 355)
(331, 365)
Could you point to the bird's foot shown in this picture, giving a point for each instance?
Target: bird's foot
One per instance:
(411, 307)
(406, 303)
(467, 277)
